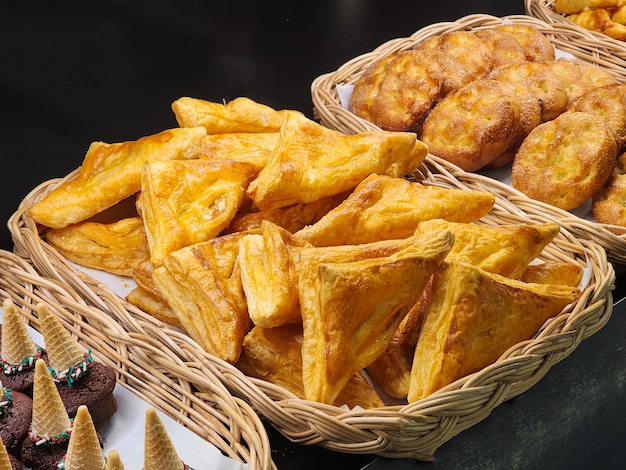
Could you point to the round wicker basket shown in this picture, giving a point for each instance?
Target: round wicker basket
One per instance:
(413, 430)
(583, 45)
(146, 357)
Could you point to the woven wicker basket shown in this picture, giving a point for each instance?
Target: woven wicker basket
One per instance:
(413, 430)
(582, 44)
(146, 358)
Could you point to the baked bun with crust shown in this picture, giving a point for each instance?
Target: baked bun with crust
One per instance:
(609, 204)
(537, 45)
(473, 125)
(564, 162)
(579, 77)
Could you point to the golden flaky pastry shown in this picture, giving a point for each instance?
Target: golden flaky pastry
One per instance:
(356, 308)
(554, 272)
(472, 318)
(502, 249)
(382, 208)
(239, 115)
(116, 247)
(202, 284)
(599, 20)
(269, 277)
(153, 304)
(575, 6)
(190, 201)
(275, 355)
(312, 162)
(110, 173)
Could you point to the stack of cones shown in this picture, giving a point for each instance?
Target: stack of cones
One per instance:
(17, 345)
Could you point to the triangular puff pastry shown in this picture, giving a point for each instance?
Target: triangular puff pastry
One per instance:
(311, 162)
(383, 208)
(356, 309)
(187, 202)
(472, 318)
(239, 115)
(202, 284)
(275, 355)
(110, 173)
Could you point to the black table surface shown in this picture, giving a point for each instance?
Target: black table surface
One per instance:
(75, 72)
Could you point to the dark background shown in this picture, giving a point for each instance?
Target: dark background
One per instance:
(76, 72)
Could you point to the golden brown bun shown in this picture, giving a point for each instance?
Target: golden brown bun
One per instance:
(609, 204)
(505, 47)
(396, 92)
(545, 84)
(564, 162)
(537, 45)
(473, 125)
(607, 102)
(579, 77)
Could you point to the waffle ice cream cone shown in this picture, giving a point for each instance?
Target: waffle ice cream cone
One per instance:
(63, 351)
(17, 345)
(5, 463)
(114, 462)
(50, 419)
(84, 451)
(159, 451)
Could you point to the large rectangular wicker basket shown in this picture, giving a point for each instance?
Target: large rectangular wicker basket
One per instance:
(583, 45)
(413, 430)
(146, 356)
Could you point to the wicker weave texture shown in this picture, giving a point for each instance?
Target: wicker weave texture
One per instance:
(583, 45)
(146, 357)
(413, 430)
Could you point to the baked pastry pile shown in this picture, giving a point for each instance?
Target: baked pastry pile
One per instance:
(498, 97)
(306, 257)
(603, 16)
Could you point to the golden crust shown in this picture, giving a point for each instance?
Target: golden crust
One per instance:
(564, 162)
(576, 6)
(357, 307)
(275, 355)
(579, 77)
(115, 247)
(239, 115)
(609, 203)
(382, 208)
(537, 45)
(599, 20)
(155, 305)
(312, 162)
(396, 92)
(473, 125)
(494, 311)
(111, 173)
(505, 48)
(553, 272)
(606, 102)
(547, 86)
(471, 51)
(202, 285)
(190, 201)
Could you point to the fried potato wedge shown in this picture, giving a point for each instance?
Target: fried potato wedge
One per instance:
(239, 115)
(311, 162)
(472, 318)
(552, 272)
(275, 355)
(357, 307)
(187, 202)
(269, 277)
(382, 207)
(502, 249)
(115, 247)
(110, 173)
(202, 285)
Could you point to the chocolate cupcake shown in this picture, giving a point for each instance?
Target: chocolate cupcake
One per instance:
(79, 379)
(15, 414)
(19, 352)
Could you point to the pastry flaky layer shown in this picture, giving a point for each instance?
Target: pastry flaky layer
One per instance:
(313, 259)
